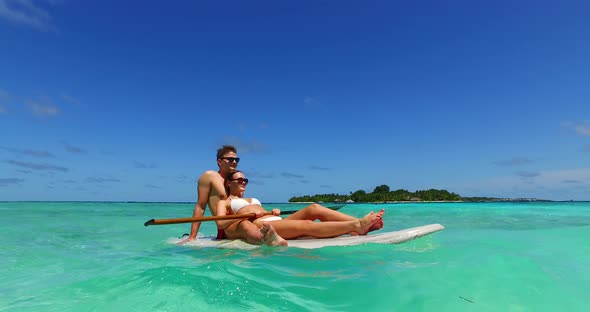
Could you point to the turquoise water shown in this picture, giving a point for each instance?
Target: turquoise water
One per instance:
(491, 257)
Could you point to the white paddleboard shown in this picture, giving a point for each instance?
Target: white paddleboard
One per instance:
(395, 237)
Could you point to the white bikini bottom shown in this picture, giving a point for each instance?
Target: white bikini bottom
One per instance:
(270, 218)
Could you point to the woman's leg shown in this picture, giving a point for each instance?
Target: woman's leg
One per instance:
(245, 230)
(270, 236)
(319, 212)
(252, 234)
(290, 229)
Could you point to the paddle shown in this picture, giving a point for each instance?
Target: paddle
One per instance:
(214, 218)
(201, 219)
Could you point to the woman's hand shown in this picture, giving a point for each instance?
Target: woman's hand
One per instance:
(259, 214)
(276, 211)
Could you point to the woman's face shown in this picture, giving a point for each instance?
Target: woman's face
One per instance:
(238, 182)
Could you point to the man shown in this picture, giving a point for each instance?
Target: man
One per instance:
(211, 190)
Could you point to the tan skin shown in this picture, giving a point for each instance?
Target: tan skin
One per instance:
(299, 224)
(211, 190)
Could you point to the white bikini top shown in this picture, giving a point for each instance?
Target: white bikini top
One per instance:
(239, 203)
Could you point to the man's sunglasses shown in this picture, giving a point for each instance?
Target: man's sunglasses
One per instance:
(241, 180)
(231, 159)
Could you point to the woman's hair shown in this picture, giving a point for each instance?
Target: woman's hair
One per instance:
(228, 177)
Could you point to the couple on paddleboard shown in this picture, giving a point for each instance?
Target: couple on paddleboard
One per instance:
(223, 191)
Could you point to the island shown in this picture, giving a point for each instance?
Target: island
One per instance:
(383, 194)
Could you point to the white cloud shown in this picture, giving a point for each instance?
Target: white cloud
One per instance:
(259, 175)
(549, 184)
(4, 96)
(242, 127)
(314, 105)
(309, 100)
(70, 99)
(101, 180)
(73, 149)
(141, 165)
(37, 166)
(245, 126)
(311, 103)
(313, 167)
(290, 175)
(527, 174)
(583, 130)
(28, 152)
(28, 13)
(251, 146)
(10, 181)
(571, 181)
(515, 161)
(42, 109)
(553, 177)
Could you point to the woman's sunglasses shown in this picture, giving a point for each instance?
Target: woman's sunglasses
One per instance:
(241, 180)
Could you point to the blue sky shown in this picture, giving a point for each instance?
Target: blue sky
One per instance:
(128, 101)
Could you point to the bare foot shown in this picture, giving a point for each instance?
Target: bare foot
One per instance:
(371, 222)
(270, 236)
(378, 225)
(375, 226)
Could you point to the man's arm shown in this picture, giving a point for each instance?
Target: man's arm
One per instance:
(204, 187)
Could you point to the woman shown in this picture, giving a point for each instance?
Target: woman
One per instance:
(300, 223)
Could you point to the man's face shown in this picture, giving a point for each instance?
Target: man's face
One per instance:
(229, 161)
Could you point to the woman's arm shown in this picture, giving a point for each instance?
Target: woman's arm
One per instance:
(222, 211)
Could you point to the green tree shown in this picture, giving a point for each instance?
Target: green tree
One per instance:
(381, 193)
(401, 195)
(358, 196)
(381, 189)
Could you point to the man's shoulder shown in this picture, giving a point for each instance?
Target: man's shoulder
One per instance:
(209, 174)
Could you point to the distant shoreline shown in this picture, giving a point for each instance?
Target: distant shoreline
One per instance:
(449, 201)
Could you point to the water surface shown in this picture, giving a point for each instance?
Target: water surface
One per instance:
(73, 256)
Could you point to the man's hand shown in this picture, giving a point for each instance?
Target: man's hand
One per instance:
(186, 240)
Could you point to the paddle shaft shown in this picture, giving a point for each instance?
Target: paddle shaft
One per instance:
(215, 218)
(201, 219)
